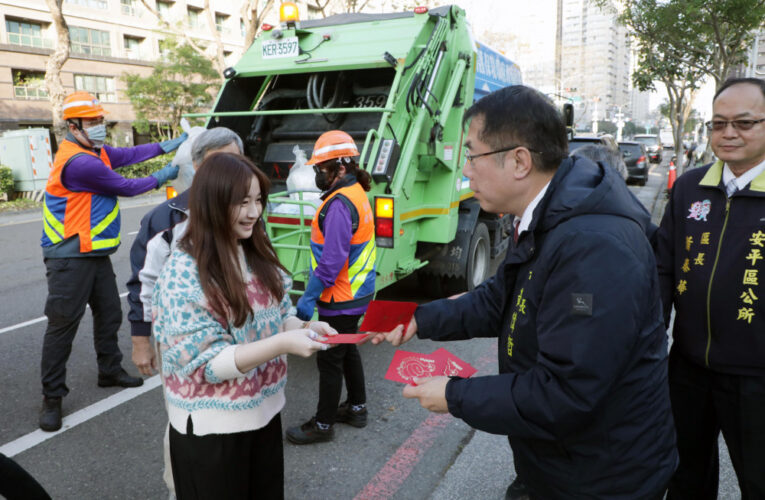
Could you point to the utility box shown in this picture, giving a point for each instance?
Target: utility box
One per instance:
(27, 152)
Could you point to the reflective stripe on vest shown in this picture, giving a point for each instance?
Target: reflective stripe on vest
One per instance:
(94, 218)
(356, 279)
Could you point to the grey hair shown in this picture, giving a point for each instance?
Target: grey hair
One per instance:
(212, 139)
(603, 154)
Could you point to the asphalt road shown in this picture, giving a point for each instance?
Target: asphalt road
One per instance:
(117, 452)
(110, 446)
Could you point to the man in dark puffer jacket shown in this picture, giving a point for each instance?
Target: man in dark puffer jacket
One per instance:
(582, 391)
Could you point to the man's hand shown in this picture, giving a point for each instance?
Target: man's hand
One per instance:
(431, 391)
(144, 357)
(397, 336)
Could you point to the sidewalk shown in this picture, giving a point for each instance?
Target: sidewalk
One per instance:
(484, 468)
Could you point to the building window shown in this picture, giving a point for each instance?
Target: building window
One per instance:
(132, 46)
(220, 23)
(242, 28)
(193, 14)
(94, 4)
(90, 42)
(29, 84)
(128, 7)
(26, 33)
(163, 8)
(100, 86)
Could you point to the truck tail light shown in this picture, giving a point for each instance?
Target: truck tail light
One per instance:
(420, 10)
(641, 160)
(384, 222)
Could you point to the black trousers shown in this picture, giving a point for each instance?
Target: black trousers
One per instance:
(703, 404)
(344, 360)
(18, 484)
(73, 284)
(239, 466)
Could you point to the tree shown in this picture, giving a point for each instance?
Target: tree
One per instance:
(56, 60)
(253, 18)
(712, 37)
(184, 82)
(630, 129)
(607, 127)
(181, 31)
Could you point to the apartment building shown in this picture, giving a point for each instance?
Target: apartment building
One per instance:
(595, 60)
(755, 65)
(108, 38)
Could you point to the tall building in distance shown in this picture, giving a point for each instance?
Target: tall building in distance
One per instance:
(594, 64)
(755, 66)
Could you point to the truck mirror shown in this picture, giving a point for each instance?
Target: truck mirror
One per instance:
(568, 114)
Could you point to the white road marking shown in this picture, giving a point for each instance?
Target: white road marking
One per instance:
(33, 321)
(34, 438)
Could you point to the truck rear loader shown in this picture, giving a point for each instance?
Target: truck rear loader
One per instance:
(399, 84)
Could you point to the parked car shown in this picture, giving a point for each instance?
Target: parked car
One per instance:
(635, 156)
(652, 144)
(581, 140)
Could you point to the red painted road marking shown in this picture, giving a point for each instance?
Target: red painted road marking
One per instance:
(389, 479)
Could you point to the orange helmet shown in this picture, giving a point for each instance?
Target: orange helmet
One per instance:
(331, 145)
(82, 104)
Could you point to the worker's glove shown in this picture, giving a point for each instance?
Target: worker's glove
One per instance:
(173, 144)
(307, 301)
(166, 173)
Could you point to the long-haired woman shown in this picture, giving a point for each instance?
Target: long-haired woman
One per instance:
(224, 322)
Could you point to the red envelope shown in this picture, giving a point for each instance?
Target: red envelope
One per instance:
(345, 338)
(450, 365)
(407, 365)
(385, 315)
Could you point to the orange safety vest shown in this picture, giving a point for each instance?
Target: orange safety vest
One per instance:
(355, 284)
(95, 218)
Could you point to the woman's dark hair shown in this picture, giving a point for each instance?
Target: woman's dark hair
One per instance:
(351, 167)
(521, 115)
(220, 184)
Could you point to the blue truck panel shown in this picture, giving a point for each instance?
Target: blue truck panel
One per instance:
(493, 71)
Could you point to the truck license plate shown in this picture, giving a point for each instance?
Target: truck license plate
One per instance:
(287, 47)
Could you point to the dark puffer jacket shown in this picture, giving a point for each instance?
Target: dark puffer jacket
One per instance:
(582, 391)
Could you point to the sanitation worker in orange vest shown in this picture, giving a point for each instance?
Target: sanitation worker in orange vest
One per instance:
(81, 228)
(341, 284)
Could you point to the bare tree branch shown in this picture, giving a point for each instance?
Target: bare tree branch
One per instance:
(54, 64)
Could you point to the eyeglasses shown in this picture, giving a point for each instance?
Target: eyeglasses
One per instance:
(472, 158)
(719, 125)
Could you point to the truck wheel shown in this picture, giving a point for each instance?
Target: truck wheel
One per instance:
(479, 257)
(477, 266)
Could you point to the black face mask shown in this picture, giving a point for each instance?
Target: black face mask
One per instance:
(322, 180)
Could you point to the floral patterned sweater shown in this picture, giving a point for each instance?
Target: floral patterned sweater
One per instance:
(199, 374)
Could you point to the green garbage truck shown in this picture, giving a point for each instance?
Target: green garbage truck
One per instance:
(399, 84)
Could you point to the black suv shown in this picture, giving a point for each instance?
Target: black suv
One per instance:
(635, 157)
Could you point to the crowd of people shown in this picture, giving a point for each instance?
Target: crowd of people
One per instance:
(592, 400)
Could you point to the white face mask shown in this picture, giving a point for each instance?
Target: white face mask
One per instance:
(96, 134)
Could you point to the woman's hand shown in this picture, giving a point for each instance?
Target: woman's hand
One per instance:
(321, 327)
(303, 342)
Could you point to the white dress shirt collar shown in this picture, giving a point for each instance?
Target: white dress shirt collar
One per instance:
(744, 179)
(525, 220)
